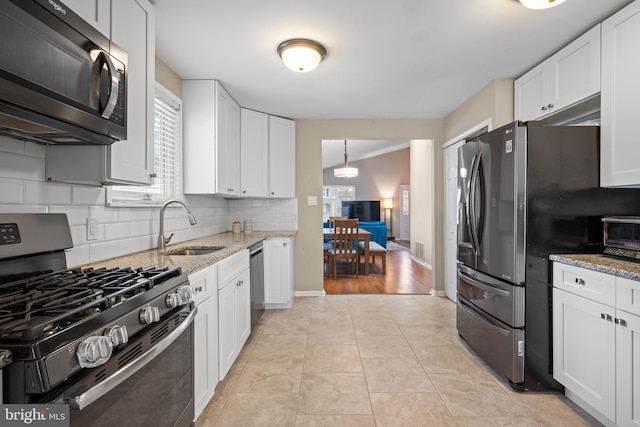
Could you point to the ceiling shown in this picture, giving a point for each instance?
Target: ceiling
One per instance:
(399, 59)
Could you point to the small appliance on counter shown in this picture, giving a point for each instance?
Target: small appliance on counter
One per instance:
(622, 236)
(108, 342)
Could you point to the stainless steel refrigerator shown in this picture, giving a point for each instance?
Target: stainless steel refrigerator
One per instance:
(525, 191)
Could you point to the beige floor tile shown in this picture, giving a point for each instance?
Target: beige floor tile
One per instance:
(211, 412)
(270, 376)
(286, 322)
(333, 393)
(445, 358)
(331, 318)
(332, 358)
(277, 347)
(495, 422)
(376, 326)
(396, 376)
(362, 300)
(410, 409)
(476, 395)
(384, 346)
(328, 334)
(554, 410)
(259, 409)
(335, 421)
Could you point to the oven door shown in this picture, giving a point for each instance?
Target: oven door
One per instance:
(152, 387)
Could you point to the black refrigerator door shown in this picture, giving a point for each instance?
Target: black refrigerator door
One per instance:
(467, 158)
(501, 178)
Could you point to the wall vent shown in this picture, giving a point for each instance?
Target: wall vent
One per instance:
(420, 250)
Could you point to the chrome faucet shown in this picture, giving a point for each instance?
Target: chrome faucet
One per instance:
(163, 241)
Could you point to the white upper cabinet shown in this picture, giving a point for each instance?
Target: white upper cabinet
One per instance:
(282, 157)
(129, 161)
(620, 98)
(95, 12)
(268, 146)
(254, 149)
(569, 76)
(211, 146)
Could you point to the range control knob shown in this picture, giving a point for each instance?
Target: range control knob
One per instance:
(94, 351)
(173, 300)
(183, 295)
(148, 315)
(118, 335)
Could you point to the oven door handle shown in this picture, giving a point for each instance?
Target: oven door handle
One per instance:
(85, 399)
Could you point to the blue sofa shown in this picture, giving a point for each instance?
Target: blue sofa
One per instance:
(378, 230)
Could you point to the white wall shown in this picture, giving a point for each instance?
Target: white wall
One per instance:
(121, 230)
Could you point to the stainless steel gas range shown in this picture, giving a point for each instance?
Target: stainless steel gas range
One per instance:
(115, 344)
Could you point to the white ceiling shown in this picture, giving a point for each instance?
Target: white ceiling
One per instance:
(387, 59)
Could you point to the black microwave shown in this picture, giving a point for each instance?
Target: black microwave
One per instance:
(61, 81)
(622, 236)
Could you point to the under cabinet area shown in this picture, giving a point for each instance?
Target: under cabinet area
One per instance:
(620, 98)
(205, 288)
(268, 155)
(211, 145)
(130, 161)
(596, 342)
(569, 76)
(234, 308)
(278, 272)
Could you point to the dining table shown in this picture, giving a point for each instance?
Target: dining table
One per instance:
(364, 235)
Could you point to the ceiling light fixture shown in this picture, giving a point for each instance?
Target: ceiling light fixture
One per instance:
(345, 171)
(302, 55)
(540, 4)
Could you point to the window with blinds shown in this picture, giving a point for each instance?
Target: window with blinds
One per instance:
(167, 161)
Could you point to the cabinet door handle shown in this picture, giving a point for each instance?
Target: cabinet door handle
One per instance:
(543, 108)
(621, 322)
(550, 106)
(607, 317)
(580, 281)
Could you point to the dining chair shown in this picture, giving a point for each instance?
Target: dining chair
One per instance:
(345, 244)
(328, 244)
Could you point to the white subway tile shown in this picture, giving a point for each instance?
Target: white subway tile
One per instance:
(35, 150)
(82, 195)
(78, 234)
(78, 256)
(103, 250)
(11, 190)
(9, 208)
(77, 215)
(116, 231)
(19, 166)
(11, 145)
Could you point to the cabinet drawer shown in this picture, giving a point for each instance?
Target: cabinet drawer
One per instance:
(230, 267)
(596, 286)
(628, 295)
(204, 283)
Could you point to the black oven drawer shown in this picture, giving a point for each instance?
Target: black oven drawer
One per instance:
(497, 343)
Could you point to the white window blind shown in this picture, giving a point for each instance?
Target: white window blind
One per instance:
(167, 160)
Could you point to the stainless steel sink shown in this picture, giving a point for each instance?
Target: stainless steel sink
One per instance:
(194, 250)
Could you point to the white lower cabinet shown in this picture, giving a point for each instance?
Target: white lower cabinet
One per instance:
(205, 336)
(278, 272)
(596, 345)
(234, 308)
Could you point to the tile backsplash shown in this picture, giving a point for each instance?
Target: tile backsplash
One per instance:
(122, 230)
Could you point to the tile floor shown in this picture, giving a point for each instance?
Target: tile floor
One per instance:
(372, 360)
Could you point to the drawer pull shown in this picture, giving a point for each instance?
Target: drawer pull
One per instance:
(621, 322)
(580, 281)
(607, 317)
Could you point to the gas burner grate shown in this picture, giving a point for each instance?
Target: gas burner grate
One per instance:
(39, 306)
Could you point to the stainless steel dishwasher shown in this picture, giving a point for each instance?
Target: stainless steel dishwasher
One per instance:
(256, 271)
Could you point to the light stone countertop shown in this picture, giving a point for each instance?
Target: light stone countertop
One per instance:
(601, 263)
(232, 243)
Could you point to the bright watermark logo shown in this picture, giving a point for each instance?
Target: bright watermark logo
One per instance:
(48, 415)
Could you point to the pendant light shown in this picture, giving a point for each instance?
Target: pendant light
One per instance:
(540, 4)
(345, 171)
(301, 55)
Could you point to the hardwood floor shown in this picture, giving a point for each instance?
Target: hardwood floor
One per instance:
(404, 276)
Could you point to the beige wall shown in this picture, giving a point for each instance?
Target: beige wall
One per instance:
(167, 78)
(309, 136)
(378, 178)
(421, 198)
(494, 101)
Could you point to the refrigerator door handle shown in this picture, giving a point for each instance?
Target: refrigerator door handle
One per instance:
(475, 172)
(483, 286)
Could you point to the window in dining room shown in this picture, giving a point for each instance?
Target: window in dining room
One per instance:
(332, 197)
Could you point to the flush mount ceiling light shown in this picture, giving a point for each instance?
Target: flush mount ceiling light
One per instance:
(345, 171)
(302, 55)
(540, 4)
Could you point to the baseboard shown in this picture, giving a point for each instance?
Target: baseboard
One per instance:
(421, 262)
(310, 293)
(437, 293)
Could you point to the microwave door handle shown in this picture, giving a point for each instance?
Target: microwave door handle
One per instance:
(89, 396)
(96, 71)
